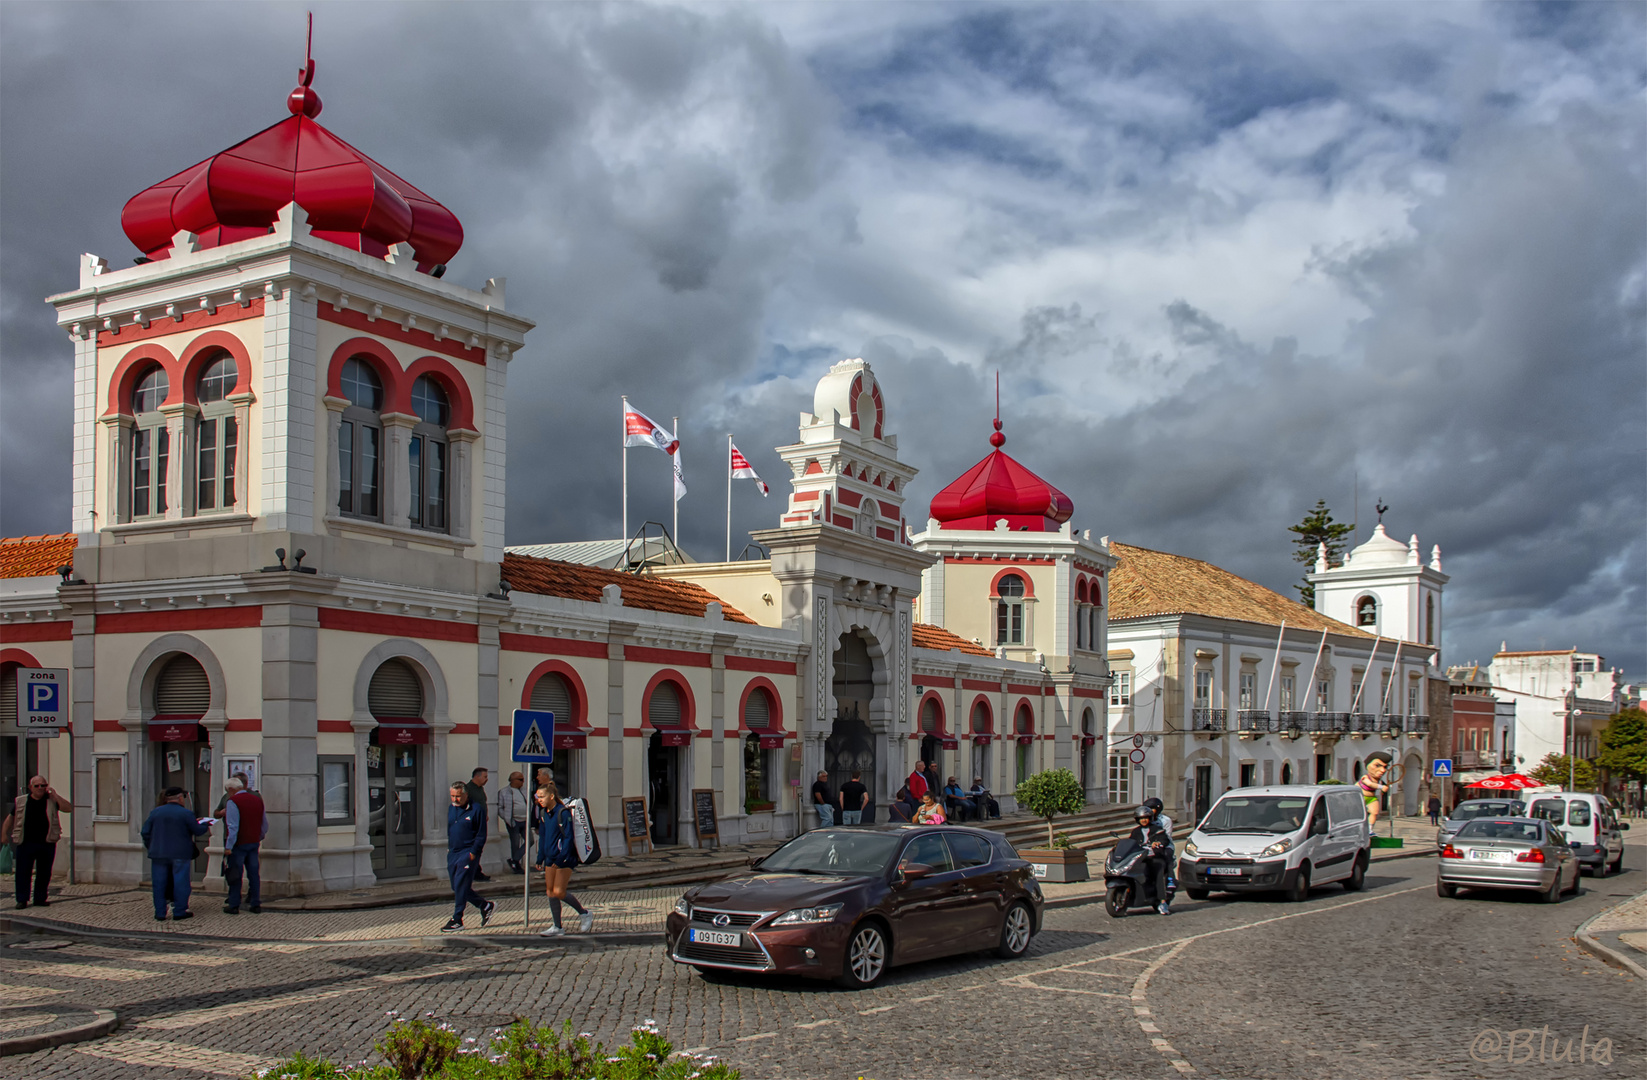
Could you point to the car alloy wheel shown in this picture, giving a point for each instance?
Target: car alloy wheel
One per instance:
(1300, 890)
(1015, 932)
(1358, 876)
(865, 956)
(1553, 894)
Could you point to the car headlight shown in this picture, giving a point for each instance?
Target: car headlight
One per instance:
(683, 906)
(1278, 847)
(1191, 850)
(808, 915)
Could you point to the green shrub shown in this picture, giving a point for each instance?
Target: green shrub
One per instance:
(426, 1049)
(1048, 794)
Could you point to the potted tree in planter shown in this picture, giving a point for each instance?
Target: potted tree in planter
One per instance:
(1048, 794)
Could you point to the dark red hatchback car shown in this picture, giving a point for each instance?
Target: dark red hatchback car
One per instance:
(848, 903)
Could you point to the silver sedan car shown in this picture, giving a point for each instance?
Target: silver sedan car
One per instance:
(1470, 809)
(1508, 853)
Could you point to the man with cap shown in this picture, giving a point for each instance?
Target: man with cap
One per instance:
(169, 834)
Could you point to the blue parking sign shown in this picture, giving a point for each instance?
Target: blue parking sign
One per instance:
(1442, 766)
(42, 700)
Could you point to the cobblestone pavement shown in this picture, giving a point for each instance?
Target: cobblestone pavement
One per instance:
(1392, 982)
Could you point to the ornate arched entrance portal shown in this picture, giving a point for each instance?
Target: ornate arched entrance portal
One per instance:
(851, 744)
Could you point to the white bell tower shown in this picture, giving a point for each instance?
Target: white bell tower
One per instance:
(1385, 589)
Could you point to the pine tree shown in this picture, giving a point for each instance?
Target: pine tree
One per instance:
(1316, 529)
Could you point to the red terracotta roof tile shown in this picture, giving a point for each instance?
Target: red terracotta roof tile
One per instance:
(35, 556)
(1148, 583)
(574, 581)
(927, 636)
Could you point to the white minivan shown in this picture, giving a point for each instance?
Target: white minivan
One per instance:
(1589, 822)
(1290, 837)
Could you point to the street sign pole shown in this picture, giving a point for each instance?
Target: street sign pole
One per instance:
(533, 735)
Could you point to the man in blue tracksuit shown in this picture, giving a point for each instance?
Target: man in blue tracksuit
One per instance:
(465, 836)
(169, 834)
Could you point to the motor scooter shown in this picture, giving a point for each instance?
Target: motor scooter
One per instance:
(1128, 880)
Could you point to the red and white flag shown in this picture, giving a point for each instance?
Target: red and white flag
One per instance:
(639, 430)
(680, 477)
(742, 470)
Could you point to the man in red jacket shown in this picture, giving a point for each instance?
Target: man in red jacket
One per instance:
(245, 824)
(917, 783)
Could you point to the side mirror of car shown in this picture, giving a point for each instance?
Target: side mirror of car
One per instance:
(914, 871)
(755, 860)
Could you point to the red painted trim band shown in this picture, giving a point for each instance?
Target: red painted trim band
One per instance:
(144, 622)
(192, 320)
(765, 667)
(45, 631)
(552, 646)
(388, 328)
(334, 726)
(980, 684)
(368, 622)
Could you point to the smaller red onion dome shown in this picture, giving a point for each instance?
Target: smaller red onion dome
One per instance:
(350, 199)
(999, 487)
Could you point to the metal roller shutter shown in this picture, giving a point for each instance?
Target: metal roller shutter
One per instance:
(182, 688)
(757, 710)
(663, 709)
(395, 693)
(8, 697)
(551, 694)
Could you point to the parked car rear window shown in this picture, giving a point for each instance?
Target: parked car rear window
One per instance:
(1466, 811)
(1578, 812)
(1548, 809)
(835, 851)
(1257, 814)
(1485, 829)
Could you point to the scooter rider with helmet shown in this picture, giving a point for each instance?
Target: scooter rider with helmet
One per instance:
(1157, 808)
(1148, 835)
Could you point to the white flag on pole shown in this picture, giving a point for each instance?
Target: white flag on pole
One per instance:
(639, 430)
(742, 470)
(680, 478)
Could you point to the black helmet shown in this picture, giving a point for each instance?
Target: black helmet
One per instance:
(1144, 813)
(1155, 804)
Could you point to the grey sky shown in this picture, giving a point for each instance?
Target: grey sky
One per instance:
(1225, 257)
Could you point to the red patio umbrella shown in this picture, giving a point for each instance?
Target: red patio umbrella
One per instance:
(1506, 782)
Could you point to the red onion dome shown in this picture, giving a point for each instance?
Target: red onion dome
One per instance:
(999, 487)
(350, 199)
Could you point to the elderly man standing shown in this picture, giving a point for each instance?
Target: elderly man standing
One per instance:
(169, 834)
(33, 830)
(512, 810)
(244, 827)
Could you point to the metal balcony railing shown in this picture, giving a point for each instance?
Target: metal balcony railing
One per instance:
(1392, 722)
(1365, 723)
(1254, 721)
(1420, 725)
(1209, 719)
(1328, 723)
(1293, 720)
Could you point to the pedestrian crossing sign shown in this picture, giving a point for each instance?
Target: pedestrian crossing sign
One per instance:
(1443, 767)
(534, 737)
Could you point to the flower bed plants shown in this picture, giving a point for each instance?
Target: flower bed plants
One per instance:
(425, 1048)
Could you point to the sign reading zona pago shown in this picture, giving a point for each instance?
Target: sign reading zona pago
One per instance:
(534, 737)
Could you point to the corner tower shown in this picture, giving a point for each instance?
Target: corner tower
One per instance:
(1385, 588)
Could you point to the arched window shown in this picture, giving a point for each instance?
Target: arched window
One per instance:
(929, 715)
(980, 718)
(359, 442)
(1366, 611)
(663, 708)
(427, 455)
(1286, 772)
(151, 446)
(1009, 611)
(181, 690)
(1081, 614)
(1429, 620)
(553, 694)
(1023, 723)
(217, 436)
(395, 692)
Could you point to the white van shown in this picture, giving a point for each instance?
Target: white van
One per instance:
(1290, 837)
(1589, 822)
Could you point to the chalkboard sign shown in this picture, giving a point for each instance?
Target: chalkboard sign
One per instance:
(636, 828)
(704, 819)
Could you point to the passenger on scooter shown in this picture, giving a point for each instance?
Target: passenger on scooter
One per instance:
(1149, 836)
(1161, 819)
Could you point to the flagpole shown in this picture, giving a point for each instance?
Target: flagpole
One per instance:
(625, 445)
(674, 497)
(729, 496)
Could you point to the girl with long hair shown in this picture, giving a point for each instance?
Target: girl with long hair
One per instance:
(558, 855)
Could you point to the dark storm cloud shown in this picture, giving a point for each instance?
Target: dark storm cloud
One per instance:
(1227, 259)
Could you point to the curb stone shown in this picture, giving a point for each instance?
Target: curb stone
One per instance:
(1606, 953)
(105, 1022)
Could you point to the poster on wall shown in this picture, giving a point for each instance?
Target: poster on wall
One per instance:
(174, 761)
(246, 765)
(205, 759)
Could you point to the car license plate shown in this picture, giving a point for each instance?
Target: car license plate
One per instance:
(1225, 871)
(1492, 856)
(716, 937)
